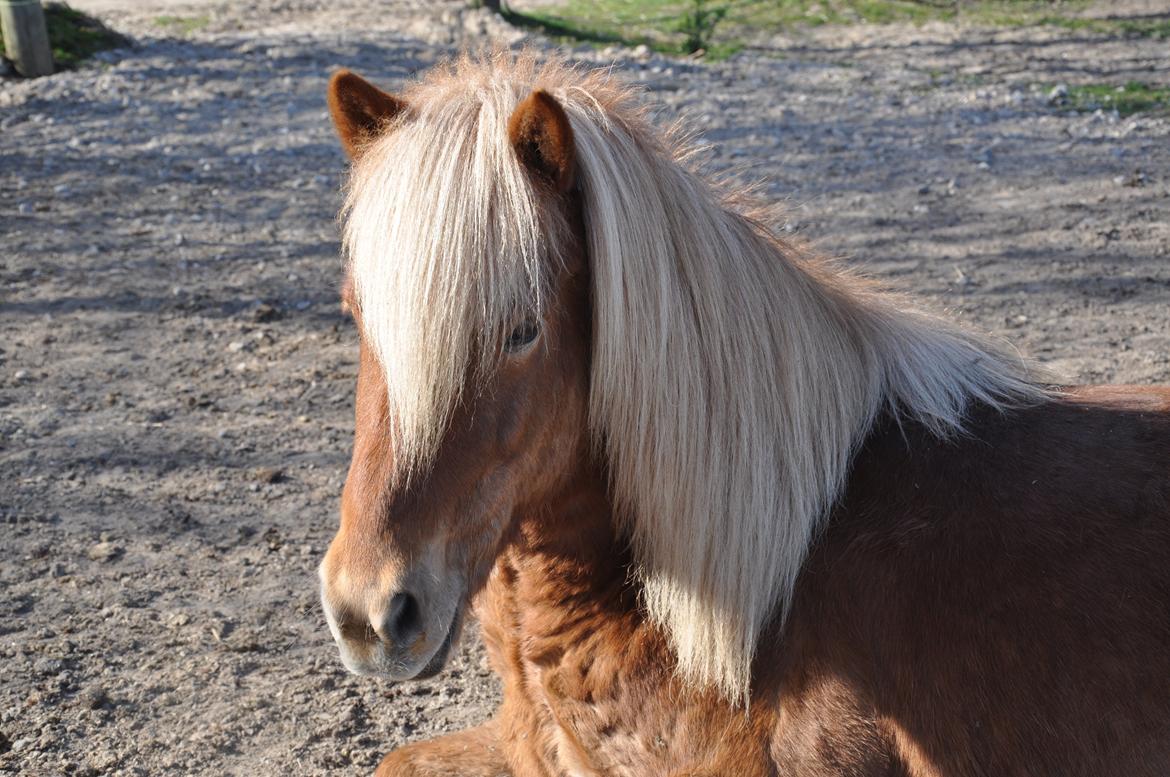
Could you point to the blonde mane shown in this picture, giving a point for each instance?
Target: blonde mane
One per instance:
(733, 377)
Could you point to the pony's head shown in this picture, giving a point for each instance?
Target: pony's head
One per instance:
(545, 287)
(467, 283)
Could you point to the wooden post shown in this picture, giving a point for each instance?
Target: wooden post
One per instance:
(25, 38)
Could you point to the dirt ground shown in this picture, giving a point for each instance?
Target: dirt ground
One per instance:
(176, 378)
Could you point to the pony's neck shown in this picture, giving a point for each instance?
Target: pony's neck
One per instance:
(571, 540)
(731, 437)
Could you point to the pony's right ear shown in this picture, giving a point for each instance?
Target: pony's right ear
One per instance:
(360, 110)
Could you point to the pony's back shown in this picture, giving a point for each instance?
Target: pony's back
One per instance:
(998, 603)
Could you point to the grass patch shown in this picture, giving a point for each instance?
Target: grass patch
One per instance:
(1139, 28)
(1128, 99)
(713, 26)
(75, 37)
(717, 28)
(721, 27)
(182, 25)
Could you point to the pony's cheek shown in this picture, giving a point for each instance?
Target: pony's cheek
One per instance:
(512, 425)
(481, 542)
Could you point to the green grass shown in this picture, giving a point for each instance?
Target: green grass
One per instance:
(182, 25)
(668, 26)
(662, 24)
(75, 37)
(1158, 28)
(1133, 97)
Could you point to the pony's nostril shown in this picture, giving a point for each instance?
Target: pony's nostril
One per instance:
(404, 619)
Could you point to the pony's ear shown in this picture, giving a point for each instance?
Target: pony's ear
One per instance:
(540, 133)
(360, 110)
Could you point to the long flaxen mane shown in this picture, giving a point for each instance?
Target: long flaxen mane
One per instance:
(733, 376)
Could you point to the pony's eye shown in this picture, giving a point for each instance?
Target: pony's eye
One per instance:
(523, 335)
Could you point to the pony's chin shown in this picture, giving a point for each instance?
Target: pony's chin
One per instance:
(439, 659)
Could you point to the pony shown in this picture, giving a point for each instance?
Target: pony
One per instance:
(719, 505)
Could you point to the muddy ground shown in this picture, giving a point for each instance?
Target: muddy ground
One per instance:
(176, 377)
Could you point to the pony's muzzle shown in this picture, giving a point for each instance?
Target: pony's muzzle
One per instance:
(402, 634)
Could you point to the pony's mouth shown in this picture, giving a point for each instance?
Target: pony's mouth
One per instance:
(439, 659)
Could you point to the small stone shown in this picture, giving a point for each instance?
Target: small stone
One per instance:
(265, 313)
(1136, 178)
(105, 551)
(272, 538)
(219, 628)
(93, 697)
(269, 475)
(48, 666)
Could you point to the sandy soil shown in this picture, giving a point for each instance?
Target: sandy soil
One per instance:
(176, 378)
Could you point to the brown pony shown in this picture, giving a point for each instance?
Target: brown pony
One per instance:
(720, 507)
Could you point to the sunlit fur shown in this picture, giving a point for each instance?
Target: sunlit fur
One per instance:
(732, 376)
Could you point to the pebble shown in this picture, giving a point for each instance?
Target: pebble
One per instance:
(220, 628)
(48, 666)
(268, 475)
(105, 551)
(93, 697)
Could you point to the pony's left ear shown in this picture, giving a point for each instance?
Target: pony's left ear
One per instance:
(360, 110)
(543, 139)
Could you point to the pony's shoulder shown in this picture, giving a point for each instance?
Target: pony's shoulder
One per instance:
(996, 560)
